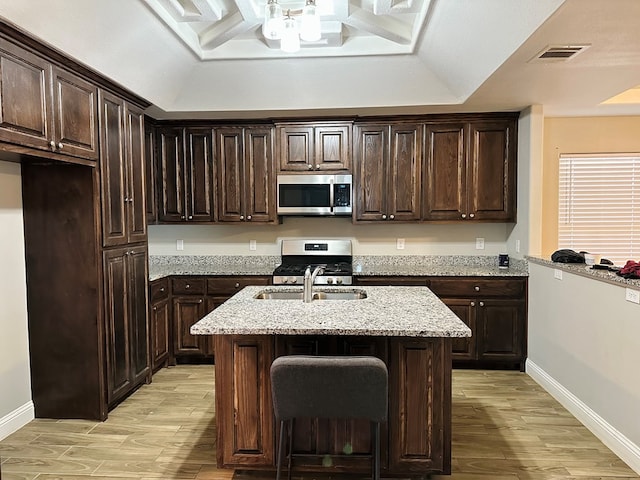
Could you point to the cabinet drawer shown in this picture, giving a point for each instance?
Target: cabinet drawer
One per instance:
(232, 285)
(188, 286)
(159, 289)
(474, 287)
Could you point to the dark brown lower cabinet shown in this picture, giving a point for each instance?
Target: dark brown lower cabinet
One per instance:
(125, 283)
(159, 323)
(415, 440)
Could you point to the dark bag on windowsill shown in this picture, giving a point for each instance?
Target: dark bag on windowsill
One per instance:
(631, 269)
(566, 255)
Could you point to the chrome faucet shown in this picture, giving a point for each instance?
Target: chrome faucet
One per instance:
(309, 278)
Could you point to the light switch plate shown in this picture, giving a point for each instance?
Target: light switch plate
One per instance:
(517, 246)
(400, 243)
(557, 274)
(179, 244)
(252, 244)
(632, 295)
(479, 243)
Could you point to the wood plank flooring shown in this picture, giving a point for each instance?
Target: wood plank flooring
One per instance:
(505, 427)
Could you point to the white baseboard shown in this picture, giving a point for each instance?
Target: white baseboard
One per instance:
(624, 448)
(16, 419)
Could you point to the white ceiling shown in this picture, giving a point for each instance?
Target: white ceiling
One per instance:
(436, 56)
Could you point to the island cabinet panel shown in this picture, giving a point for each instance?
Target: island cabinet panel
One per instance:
(45, 107)
(245, 174)
(388, 165)
(189, 306)
(314, 147)
(243, 401)
(420, 419)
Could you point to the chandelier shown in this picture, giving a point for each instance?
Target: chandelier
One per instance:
(291, 27)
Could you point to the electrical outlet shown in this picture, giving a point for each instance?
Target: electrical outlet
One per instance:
(479, 243)
(632, 295)
(179, 244)
(517, 246)
(400, 243)
(557, 274)
(252, 244)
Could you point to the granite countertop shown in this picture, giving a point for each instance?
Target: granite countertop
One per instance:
(387, 311)
(587, 271)
(404, 265)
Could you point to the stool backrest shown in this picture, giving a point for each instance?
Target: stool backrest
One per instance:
(329, 387)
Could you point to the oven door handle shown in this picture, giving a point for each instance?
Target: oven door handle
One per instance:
(331, 194)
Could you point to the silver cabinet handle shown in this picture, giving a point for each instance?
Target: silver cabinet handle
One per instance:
(310, 167)
(237, 285)
(190, 217)
(464, 215)
(476, 288)
(248, 217)
(317, 167)
(162, 289)
(482, 304)
(187, 286)
(471, 215)
(391, 217)
(473, 304)
(52, 144)
(182, 217)
(241, 217)
(60, 145)
(199, 300)
(384, 217)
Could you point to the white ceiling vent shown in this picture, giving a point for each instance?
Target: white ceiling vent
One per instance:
(558, 53)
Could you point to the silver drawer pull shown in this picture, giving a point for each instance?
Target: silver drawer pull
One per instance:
(476, 288)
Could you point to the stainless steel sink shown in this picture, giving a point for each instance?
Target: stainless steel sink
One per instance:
(317, 295)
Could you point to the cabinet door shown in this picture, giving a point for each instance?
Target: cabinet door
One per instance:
(199, 174)
(332, 147)
(295, 147)
(151, 166)
(243, 401)
(500, 329)
(159, 321)
(119, 379)
(136, 175)
(137, 298)
(259, 184)
(444, 197)
(230, 174)
(187, 310)
(405, 167)
(464, 308)
(75, 120)
(25, 108)
(419, 415)
(491, 177)
(171, 175)
(371, 176)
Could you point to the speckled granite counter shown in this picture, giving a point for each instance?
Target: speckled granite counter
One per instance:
(389, 265)
(587, 271)
(387, 311)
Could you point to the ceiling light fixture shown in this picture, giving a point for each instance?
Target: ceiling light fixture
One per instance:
(290, 29)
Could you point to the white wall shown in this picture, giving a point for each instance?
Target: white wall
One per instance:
(378, 239)
(16, 408)
(584, 340)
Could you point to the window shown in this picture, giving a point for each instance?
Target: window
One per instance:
(599, 205)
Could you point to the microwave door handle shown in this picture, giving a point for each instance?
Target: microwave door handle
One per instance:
(331, 195)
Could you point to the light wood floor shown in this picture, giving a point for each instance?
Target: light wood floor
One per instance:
(505, 427)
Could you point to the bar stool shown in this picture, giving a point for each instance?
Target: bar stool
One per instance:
(338, 387)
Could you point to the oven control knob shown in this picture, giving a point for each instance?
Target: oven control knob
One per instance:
(293, 280)
(285, 280)
(329, 281)
(339, 281)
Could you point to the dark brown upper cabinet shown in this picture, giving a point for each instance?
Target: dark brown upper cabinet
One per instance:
(122, 171)
(304, 147)
(185, 174)
(151, 175)
(388, 166)
(470, 171)
(245, 174)
(45, 107)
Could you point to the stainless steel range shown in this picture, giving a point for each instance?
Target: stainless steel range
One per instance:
(334, 255)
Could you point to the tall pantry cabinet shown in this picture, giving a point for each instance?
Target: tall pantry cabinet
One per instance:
(80, 141)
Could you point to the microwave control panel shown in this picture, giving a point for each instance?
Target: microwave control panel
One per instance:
(342, 195)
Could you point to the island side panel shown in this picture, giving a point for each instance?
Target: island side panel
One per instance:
(244, 412)
(420, 405)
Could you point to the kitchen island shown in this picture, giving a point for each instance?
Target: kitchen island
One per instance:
(407, 327)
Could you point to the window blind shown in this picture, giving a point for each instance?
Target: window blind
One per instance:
(599, 205)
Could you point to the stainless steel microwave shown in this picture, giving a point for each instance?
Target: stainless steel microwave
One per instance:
(313, 194)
